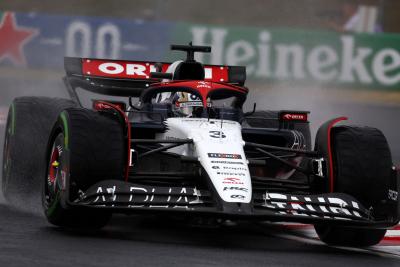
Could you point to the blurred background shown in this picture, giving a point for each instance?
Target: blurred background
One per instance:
(330, 57)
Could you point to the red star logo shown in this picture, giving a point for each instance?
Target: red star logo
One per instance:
(13, 38)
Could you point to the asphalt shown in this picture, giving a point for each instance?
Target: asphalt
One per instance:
(26, 239)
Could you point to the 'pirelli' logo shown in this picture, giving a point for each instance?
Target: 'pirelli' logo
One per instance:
(224, 156)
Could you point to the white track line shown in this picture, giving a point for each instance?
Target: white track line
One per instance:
(306, 234)
(393, 252)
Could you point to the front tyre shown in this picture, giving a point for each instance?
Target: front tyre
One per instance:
(349, 237)
(363, 169)
(54, 193)
(86, 147)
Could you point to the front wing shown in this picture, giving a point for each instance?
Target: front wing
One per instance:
(337, 208)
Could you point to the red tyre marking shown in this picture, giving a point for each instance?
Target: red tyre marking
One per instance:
(331, 173)
(128, 126)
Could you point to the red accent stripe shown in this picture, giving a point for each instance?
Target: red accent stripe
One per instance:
(202, 87)
(392, 238)
(390, 241)
(128, 125)
(331, 173)
(203, 90)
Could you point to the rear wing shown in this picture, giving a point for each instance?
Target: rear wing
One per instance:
(129, 78)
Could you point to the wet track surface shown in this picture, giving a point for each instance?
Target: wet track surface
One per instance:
(28, 240)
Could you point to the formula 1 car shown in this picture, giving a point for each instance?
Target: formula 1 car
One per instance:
(185, 146)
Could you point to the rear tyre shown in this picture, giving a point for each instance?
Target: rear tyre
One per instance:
(363, 169)
(85, 148)
(29, 124)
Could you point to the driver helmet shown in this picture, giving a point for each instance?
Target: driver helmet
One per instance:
(184, 103)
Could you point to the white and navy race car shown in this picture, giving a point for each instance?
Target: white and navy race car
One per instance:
(182, 144)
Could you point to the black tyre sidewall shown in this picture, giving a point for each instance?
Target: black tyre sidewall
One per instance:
(362, 168)
(362, 162)
(8, 143)
(33, 119)
(347, 236)
(90, 139)
(61, 213)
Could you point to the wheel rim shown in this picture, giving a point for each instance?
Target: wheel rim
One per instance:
(56, 170)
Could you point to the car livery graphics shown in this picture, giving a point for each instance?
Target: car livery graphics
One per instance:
(230, 149)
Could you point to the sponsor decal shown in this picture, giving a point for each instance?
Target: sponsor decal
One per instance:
(224, 156)
(393, 195)
(307, 205)
(102, 105)
(188, 100)
(203, 84)
(142, 70)
(353, 59)
(294, 116)
(232, 180)
(234, 168)
(211, 121)
(226, 188)
(192, 120)
(356, 60)
(118, 69)
(231, 173)
(241, 197)
(217, 134)
(226, 162)
(136, 196)
(189, 104)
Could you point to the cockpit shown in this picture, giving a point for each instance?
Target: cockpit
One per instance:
(195, 99)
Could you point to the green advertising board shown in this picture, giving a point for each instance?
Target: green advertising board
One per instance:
(282, 54)
(271, 55)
